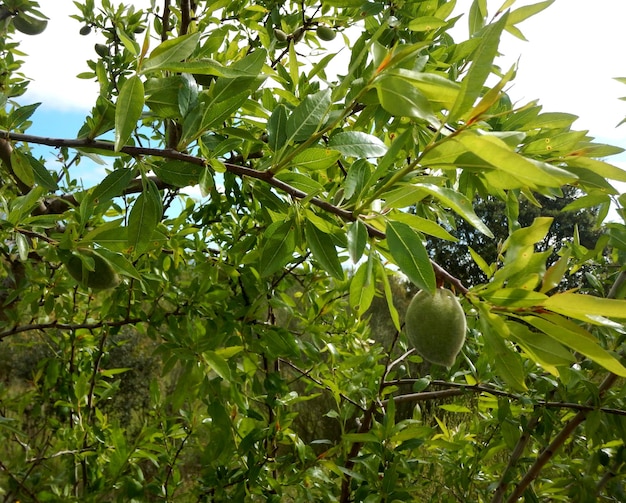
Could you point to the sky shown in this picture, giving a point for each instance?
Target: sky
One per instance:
(573, 52)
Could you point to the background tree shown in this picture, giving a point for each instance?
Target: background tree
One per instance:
(319, 186)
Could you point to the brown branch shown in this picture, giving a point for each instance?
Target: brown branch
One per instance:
(481, 388)
(67, 326)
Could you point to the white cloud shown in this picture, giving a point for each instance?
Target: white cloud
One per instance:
(57, 56)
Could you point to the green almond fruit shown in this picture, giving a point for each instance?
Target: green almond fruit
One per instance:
(29, 25)
(435, 326)
(325, 33)
(102, 277)
(102, 50)
(280, 35)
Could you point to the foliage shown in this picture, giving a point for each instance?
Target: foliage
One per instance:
(454, 256)
(321, 182)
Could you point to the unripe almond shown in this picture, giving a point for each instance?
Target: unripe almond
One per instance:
(102, 50)
(101, 278)
(325, 33)
(280, 35)
(435, 326)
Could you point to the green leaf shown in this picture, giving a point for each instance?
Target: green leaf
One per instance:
(477, 16)
(457, 202)
(515, 297)
(426, 23)
(542, 350)
(508, 364)
(410, 255)
(362, 289)
(472, 84)
(112, 186)
(143, 219)
(357, 144)
(421, 224)
(523, 13)
(531, 235)
(218, 364)
(277, 128)
(498, 155)
(162, 96)
(324, 251)
(178, 173)
(308, 116)
(393, 312)
(577, 342)
(171, 51)
(128, 110)
(439, 91)
(22, 167)
(41, 175)
(20, 115)
(302, 182)
(316, 158)
(585, 307)
(120, 263)
(357, 240)
(278, 248)
(402, 99)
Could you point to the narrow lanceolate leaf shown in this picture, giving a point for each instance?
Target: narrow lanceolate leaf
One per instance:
(357, 144)
(128, 110)
(585, 307)
(459, 203)
(323, 250)
(410, 255)
(472, 84)
(515, 297)
(393, 312)
(509, 164)
(508, 363)
(578, 342)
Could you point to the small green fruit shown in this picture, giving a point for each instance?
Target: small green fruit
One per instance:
(280, 35)
(325, 33)
(101, 278)
(102, 50)
(29, 25)
(85, 30)
(435, 326)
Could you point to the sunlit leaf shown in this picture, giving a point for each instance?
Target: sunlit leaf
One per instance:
(576, 342)
(357, 144)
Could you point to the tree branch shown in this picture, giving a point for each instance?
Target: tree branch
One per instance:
(62, 203)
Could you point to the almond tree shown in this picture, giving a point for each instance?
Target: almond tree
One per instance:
(319, 182)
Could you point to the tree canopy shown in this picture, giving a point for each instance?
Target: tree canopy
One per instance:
(158, 346)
